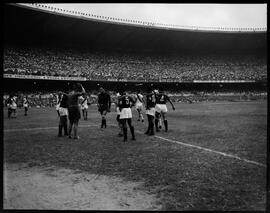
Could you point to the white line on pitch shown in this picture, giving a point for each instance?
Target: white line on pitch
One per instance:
(209, 150)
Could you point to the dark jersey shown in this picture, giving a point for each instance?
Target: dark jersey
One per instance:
(126, 101)
(162, 98)
(9, 102)
(73, 99)
(104, 99)
(118, 101)
(150, 101)
(63, 100)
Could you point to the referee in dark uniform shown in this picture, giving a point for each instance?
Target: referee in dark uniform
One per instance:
(104, 105)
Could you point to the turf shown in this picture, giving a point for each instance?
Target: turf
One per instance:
(183, 178)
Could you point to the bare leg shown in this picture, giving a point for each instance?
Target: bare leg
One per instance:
(76, 129)
(165, 121)
(70, 129)
(124, 124)
(131, 128)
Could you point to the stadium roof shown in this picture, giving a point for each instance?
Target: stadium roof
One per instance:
(219, 17)
(38, 23)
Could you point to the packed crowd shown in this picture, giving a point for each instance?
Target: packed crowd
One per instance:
(132, 66)
(41, 98)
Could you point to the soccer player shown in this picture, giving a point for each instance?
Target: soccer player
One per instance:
(13, 106)
(117, 103)
(104, 105)
(84, 105)
(9, 106)
(25, 105)
(74, 113)
(161, 108)
(139, 105)
(63, 113)
(150, 111)
(57, 104)
(125, 104)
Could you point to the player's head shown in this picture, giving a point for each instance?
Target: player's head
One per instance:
(124, 92)
(101, 89)
(72, 88)
(78, 87)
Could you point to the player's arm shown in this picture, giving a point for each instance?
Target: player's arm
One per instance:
(82, 89)
(142, 99)
(98, 101)
(168, 98)
(132, 100)
(109, 103)
(116, 105)
(144, 103)
(120, 105)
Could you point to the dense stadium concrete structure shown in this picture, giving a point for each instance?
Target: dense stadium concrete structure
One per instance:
(32, 25)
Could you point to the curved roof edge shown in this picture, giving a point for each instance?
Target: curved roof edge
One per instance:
(111, 20)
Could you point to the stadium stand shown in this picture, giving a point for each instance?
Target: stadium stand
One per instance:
(132, 66)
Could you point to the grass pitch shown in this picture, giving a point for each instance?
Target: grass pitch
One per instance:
(181, 177)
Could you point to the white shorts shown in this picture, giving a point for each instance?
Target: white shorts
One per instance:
(118, 111)
(57, 106)
(63, 111)
(125, 113)
(139, 106)
(25, 105)
(85, 106)
(151, 111)
(161, 108)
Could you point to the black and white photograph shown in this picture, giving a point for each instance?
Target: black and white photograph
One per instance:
(135, 106)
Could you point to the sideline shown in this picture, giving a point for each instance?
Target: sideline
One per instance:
(209, 150)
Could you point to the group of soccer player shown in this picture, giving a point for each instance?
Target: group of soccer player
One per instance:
(11, 103)
(155, 106)
(156, 110)
(71, 102)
